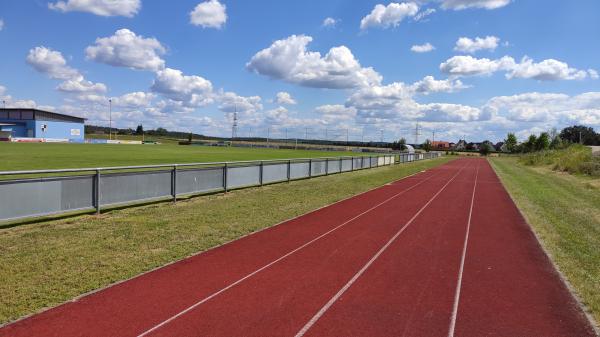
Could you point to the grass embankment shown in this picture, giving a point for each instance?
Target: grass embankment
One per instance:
(48, 263)
(31, 156)
(575, 159)
(564, 211)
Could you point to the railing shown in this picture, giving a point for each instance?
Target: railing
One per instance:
(89, 189)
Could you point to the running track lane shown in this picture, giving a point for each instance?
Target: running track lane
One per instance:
(134, 306)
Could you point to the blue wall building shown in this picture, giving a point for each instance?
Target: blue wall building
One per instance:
(34, 123)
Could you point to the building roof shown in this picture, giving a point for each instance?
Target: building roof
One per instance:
(37, 114)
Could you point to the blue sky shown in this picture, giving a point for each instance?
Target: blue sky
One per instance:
(474, 68)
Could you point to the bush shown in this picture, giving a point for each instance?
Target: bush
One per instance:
(573, 159)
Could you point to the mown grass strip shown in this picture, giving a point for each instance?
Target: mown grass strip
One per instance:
(564, 211)
(44, 264)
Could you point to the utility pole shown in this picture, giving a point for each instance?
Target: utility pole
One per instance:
(346, 136)
(381, 141)
(362, 135)
(110, 119)
(306, 133)
(235, 124)
(286, 137)
(417, 133)
(268, 130)
(326, 133)
(432, 137)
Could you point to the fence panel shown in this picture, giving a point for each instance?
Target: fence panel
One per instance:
(199, 180)
(374, 161)
(299, 170)
(318, 167)
(42, 196)
(274, 172)
(346, 164)
(117, 188)
(357, 163)
(333, 165)
(241, 176)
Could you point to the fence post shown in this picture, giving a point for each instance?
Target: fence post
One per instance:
(174, 182)
(225, 177)
(97, 191)
(326, 166)
(289, 169)
(260, 173)
(351, 163)
(340, 166)
(310, 168)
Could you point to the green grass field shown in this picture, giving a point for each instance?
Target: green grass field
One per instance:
(564, 211)
(47, 263)
(31, 156)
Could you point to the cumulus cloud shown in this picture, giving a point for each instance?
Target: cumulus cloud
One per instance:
(467, 45)
(422, 48)
(134, 100)
(335, 113)
(1, 24)
(329, 22)
(231, 102)
(283, 97)
(430, 85)
(80, 85)
(209, 14)
(289, 60)
(127, 8)
(182, 91)
(126, 49)
(389, 16)
(554, 108)
(465, 4)
(53, 64)
(546, 70)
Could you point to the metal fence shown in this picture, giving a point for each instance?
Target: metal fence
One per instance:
(98, 188)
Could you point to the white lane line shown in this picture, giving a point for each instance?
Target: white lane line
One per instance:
(188, 309)
(335, 297)
(462, 262)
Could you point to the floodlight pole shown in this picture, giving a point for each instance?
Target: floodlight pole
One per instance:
(110, 119)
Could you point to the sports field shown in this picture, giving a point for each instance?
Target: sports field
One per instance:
(31, 156)
(441, 253)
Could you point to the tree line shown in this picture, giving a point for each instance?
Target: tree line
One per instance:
(553, 140)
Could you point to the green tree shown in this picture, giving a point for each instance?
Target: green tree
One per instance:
(529, 145)
(139, 130)
(576, 133)
(426, 146)
(402, 144)
(542, 142)
(485, 148)
(511, 142)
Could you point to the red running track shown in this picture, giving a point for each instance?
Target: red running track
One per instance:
(441, 253)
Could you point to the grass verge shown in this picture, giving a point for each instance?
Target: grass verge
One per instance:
(564, 211)
(44, 264)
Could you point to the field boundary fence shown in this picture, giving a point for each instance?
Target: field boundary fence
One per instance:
(29, 194)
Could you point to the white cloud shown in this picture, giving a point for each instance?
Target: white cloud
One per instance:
(423, 14)
(330, 22)
(389, 16)
(127, 8)
(470, 66)
(593, 74)
(209, 14)
(467, 45)
(422, 48)
(1, 24)
(289, 60)
(134, 100)
(548, 108)
(182, 91)
(126, 49)
(465, 4)
(80, 85)
(51, 63)
(231, 102)
(430, 85)
(336, 113)
(547, 70)
(283, 97)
